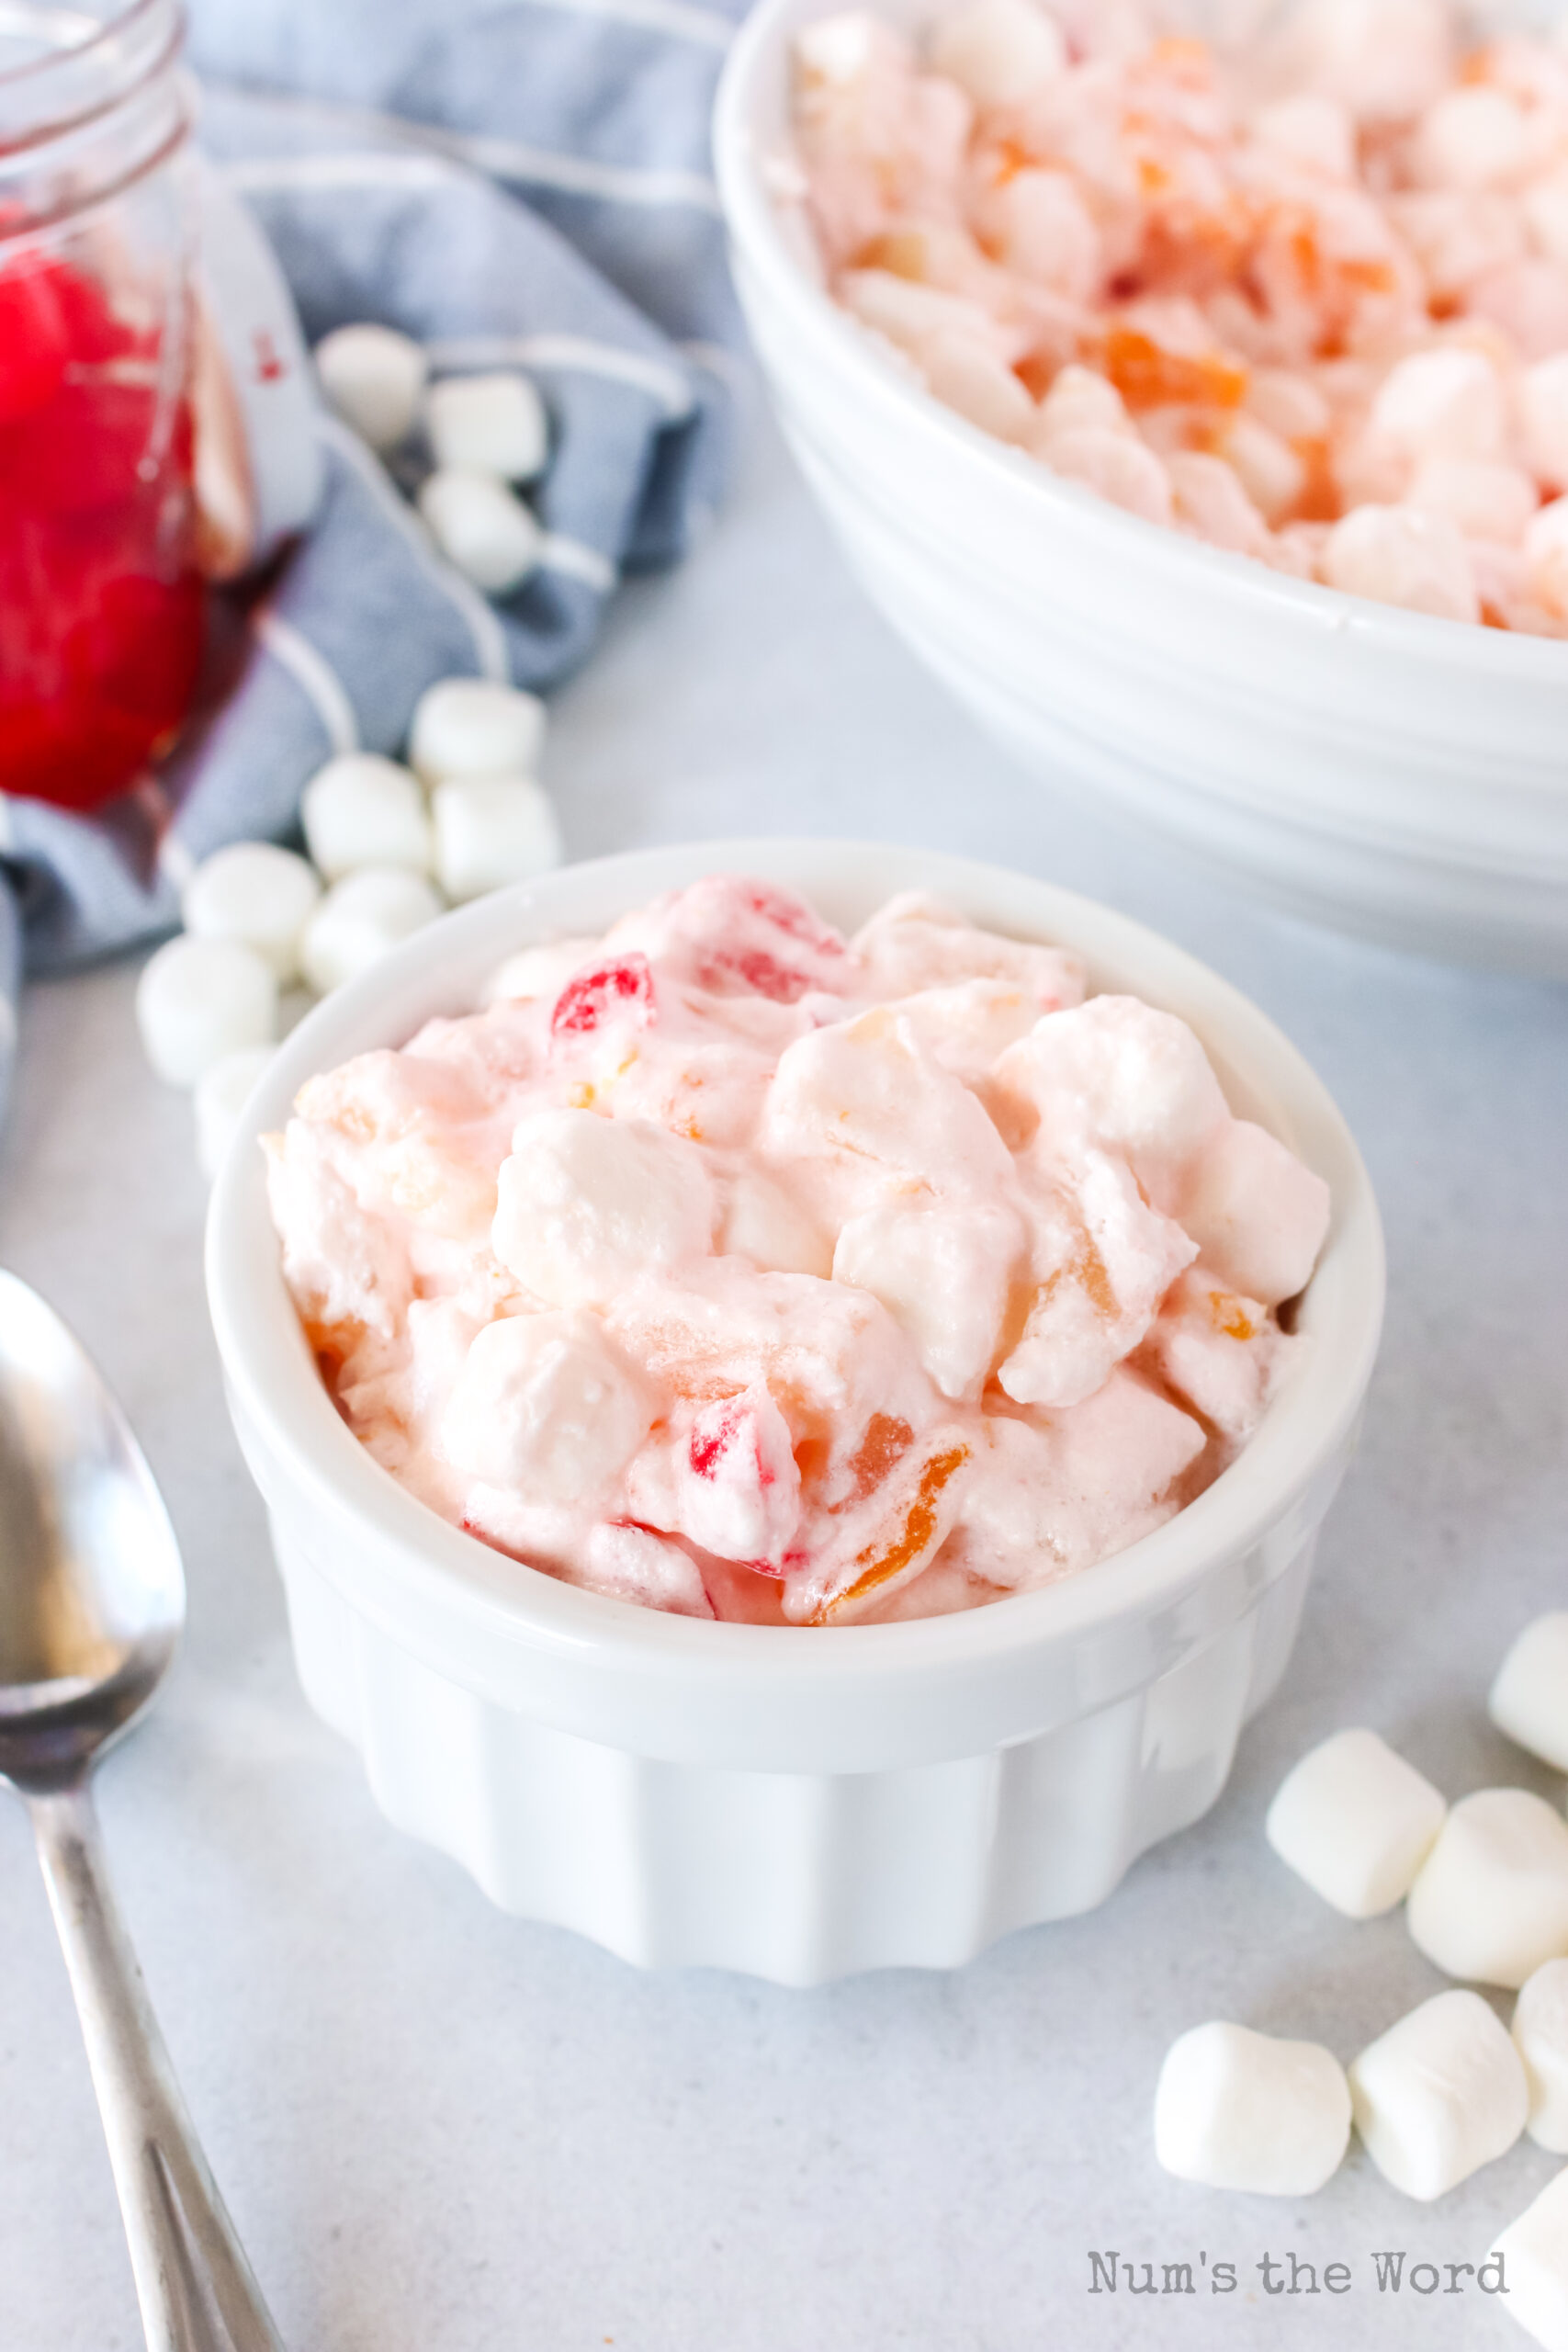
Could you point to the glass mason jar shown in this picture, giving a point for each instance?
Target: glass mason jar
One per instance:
(101, 606)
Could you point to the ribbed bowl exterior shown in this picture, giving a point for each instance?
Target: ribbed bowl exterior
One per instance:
(796, 1803)
(794, 1876)
(1381, 770)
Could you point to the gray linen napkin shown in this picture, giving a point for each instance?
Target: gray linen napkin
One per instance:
(518, 183)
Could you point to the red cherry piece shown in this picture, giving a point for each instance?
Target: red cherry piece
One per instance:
(713, 1434)
(620, 990)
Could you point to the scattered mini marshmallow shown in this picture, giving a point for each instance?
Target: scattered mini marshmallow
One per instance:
(481, 527)
(1534, 2252)
(1530, 1698)
(1439, 2094)
(374, 378)
(487, 424)
(362, 809)
(1490, 1901)
(475, 726)
(1357, 1822)
(490, 831)
(257, 893)
(1540, 2037)
(221, 1093)
(200, 998)
(360, 920)
(1238, 2109)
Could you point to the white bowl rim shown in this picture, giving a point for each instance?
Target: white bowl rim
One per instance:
(751, 218)
(274, 1382)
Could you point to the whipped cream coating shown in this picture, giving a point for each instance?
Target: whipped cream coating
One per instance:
(734, 1268)
(1304, 299)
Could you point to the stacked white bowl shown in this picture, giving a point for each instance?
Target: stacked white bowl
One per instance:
(1376, 769)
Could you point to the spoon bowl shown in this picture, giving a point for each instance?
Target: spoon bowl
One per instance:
(92, 1594)
(92, 1604)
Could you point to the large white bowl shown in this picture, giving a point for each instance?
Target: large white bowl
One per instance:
(791, 1801)
(1379, 770)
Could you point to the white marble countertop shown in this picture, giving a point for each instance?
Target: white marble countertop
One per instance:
(444, 2131)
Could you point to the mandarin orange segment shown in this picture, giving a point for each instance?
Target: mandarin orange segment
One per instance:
(879, 1565)
(1229, 1316)
(1148, 376)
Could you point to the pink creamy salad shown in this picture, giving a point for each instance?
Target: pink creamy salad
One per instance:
(1306, 301)
(730, 1266)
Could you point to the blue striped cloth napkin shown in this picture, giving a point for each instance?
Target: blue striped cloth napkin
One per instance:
(513, 183)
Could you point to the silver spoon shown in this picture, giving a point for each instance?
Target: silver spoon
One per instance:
(92, 1601)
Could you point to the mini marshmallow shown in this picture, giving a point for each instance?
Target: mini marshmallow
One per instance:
(586, 1205)
(1079, 398)
(546, 1403)
(1268, 469)
(1214, 504)
(1238, 2109)
(1534, 2253)
(1357, 1822)
(943, 1274)
(1472, 138)
(465, 726)
(1545, 207)
(1113, 464)
(762, 1220)
(998, 50)
(1530, 1698)
(1486, 501)
(487, 424)
(1048, 234)
(222, 1094)
(1542, 398)
(964, 374)
(257, 893)
(1442, 403)
(374, 378)
(737, 1482)
(1546, 556)
(1256, 1213)
(1439, 2094)
(1491, 1900)
(490, 831)
(360, 920)
(1403, 555)
(481, 527)
(634, 1564)
(1540, 2037)
(199, 1000)
(361, 809)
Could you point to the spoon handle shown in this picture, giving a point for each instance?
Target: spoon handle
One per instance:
(189, 2266)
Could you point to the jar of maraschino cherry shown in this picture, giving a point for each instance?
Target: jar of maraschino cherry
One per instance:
(101, 606)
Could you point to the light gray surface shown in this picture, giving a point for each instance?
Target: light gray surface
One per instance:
(443, 2130)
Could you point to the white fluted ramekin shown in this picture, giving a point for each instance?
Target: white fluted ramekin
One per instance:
(1383, 771)
(793, 1801)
